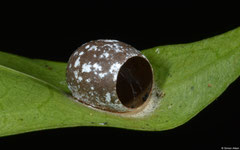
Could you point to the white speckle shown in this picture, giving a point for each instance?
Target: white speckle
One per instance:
(92, 88)
(70, 66)
(77, 95)
(95, 55)
(77, 62)
(81, 53)
(101, 75)
(117, 48)
(131, 55)
(102, 124)
(108, 45)
(88, 80)
(157, 51)
(86, 67)
(109, 40)
(80, 78)
(73, 88)
(108, 97)
(104, 55)
(75, 73)
(75, 53)
(87, 46)
(92, 48)
(97, 67)
(91, 93)
(116, 101)
(69, 87)
(114, 69)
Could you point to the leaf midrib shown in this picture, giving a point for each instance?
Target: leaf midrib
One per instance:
(33, 77)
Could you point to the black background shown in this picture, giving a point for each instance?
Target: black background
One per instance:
(54, 31)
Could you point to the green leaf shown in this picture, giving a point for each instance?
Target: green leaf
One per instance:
(34, 94)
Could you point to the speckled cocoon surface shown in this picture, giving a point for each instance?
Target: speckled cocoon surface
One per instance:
(92, 73)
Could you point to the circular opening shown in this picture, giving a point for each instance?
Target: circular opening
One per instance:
(134, 82)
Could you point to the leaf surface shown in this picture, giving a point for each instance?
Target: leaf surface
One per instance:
(34, 94)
